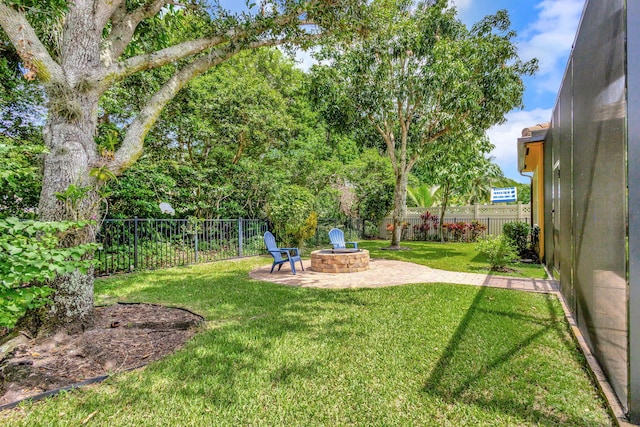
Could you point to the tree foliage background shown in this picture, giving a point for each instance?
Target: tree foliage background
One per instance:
(165, 101)
(232, 138)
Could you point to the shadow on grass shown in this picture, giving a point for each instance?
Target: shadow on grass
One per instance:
(267, 344)
(480, 259)
(220, 363)
(459, 378)
(416, 252)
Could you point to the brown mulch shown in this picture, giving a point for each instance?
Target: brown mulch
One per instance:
(124, 336)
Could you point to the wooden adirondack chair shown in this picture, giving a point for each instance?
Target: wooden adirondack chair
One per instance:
(336, 236)
(282, 255)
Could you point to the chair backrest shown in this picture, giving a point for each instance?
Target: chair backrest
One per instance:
(270, 243)
(336, 236)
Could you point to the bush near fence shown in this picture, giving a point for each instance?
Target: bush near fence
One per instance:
(493, 217)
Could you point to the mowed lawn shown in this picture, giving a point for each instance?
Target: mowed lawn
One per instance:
(448, 256)
(270, 355)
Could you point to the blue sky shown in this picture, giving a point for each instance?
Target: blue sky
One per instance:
(546, 30)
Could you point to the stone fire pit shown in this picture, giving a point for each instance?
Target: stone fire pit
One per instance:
(340, 260)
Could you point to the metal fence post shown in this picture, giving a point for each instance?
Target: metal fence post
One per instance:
(135, 243)
(195, 241)
(240, 243)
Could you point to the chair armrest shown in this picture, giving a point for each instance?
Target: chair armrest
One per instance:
(289, 250)
(355, 244)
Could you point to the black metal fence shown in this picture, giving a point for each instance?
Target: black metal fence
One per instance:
(135, 244)
(141, 243)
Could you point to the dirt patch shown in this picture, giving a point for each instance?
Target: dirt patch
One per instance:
(124, 336)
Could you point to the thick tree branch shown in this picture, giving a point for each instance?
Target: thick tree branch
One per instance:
(34, 55)
(388, 139)
(120, 70)
(123, 69)
(105, 10)
(132, 145)
(124, 26)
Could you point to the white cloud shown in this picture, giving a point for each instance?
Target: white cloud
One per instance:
(304, 60)
(549, 38)
(461, 5)
(505, 138)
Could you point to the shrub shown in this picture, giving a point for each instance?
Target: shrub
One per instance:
(499, 251)
(30, 256)
(307, 230)
(475, 229)
(428, 228)
(518, 233)
(291, 211)
(404, 226)
(458, 229)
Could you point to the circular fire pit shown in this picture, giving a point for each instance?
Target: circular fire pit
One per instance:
(340, 260)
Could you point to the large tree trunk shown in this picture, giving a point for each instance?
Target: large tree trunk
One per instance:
(443, 208)
(68, 191)
(400, 207)
(69, 135)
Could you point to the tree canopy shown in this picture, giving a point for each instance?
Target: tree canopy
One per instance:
(148, 101)
(423, 78)
(80, 50)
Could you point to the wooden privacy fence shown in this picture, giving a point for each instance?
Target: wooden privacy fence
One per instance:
(493, 217)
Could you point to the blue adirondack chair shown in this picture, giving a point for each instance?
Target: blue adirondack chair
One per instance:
(336, 236)
(282, 255)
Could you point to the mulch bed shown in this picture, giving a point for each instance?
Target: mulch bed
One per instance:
(124, 336)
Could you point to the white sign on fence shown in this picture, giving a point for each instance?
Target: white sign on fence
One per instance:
(501, 195)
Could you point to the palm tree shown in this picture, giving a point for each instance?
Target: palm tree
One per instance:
(423, 196)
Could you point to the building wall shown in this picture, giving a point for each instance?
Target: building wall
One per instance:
(633, 167)
(585, 189)
(534, 162)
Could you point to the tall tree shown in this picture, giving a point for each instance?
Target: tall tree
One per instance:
(490, 175)
(423, 77)
(80, 49)
(456, 166)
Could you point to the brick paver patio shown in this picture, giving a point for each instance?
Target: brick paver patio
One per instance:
(393, 273)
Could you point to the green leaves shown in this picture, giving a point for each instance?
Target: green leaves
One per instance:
(291, 211)
(518, 233)
(19, 169)
(30, 256)
(423, 79)
(499, 251)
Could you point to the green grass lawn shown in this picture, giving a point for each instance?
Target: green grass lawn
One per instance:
(448, 256)
(271, 355)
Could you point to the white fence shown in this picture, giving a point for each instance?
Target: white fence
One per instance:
(493, 217)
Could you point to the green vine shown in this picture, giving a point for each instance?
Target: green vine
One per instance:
(30, 256)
